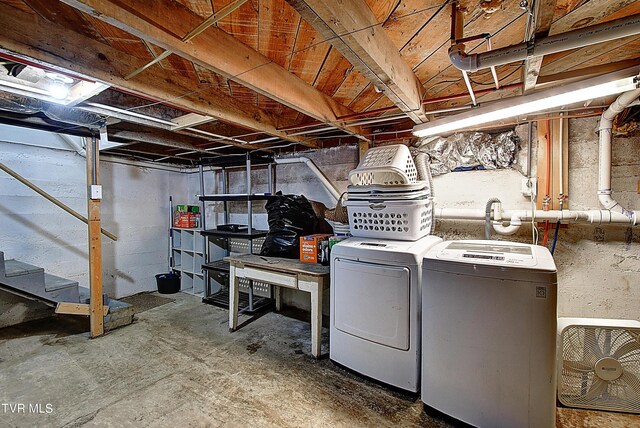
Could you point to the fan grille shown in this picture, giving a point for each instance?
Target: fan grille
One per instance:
(580, 386)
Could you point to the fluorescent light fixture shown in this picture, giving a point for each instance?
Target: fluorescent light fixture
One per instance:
(596, 87)
(59, 91)
(49, 86)
(59, 77)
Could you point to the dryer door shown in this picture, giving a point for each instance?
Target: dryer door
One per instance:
(371, 301)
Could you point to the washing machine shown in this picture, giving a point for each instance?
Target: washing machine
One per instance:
(375, 308)
(488, 333)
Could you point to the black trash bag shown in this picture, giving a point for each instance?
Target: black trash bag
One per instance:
(289, 217)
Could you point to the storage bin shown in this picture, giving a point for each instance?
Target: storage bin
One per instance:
(168, 283)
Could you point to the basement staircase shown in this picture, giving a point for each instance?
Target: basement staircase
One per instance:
(32, 282)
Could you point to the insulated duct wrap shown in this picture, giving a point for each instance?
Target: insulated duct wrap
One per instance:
(18, 104)
(470, 150)
(70, 115)
(74, 116)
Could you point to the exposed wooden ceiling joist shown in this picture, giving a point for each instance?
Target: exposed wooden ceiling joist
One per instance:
(542, 20)
(352, 28)
(164, 22)
(193, 33)
(38, 40)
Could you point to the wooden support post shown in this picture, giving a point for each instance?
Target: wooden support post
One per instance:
(96, 307)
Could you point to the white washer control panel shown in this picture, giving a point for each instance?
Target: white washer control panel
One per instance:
(496, 253)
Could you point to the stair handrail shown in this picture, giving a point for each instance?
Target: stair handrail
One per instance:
(52, 199)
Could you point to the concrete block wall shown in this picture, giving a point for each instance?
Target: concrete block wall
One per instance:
(135, 208)
(290, 179)
(598, 266)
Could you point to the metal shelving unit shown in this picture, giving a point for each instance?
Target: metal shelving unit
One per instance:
(218, 269)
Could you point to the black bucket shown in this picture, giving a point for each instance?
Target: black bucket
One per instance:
(168, 283)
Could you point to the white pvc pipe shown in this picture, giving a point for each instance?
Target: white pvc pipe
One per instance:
(586, 216)
(514, 225)
(73, 144)
(604, 159)
(579, 38)
(312, 166)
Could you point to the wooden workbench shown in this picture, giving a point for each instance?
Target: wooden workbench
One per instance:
(288, 273)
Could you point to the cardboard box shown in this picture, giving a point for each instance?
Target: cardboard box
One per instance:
(189, 219)
(311, 248)
(181, 219)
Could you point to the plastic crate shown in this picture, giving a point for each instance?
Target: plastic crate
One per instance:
(397, 220)
(387, 165)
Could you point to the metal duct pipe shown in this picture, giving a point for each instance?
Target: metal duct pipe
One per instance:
(579, 38)
(312, 166)
(604, 158)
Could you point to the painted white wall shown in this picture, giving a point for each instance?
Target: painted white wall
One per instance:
(135, 208)
(290, 179)
(598, 267)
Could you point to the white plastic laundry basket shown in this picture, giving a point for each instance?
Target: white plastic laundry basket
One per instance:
(398, 220)
(387, 165)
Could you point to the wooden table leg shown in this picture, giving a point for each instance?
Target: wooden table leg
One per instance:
(316, 318)
(278, 297)
(315, 286)
(233, 298)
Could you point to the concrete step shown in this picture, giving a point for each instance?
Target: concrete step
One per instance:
(85, 296)
(43, 286)
(15, 268)
(53, 283)
(120, 313)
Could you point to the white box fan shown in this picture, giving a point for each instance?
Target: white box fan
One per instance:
(599, 364)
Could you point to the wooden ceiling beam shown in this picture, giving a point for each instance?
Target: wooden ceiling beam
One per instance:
(38, 40)
(543, 18)
(165, 22)
(352, 28)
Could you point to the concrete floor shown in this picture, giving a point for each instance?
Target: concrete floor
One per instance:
(178, 366)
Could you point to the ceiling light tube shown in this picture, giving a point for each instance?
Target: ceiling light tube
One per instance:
(600, 86)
